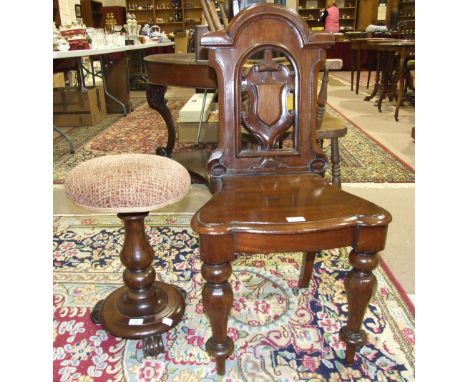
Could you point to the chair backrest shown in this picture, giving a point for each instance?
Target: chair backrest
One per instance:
(406, 29)
(262, 95)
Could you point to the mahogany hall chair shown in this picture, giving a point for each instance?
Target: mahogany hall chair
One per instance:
(269, 199)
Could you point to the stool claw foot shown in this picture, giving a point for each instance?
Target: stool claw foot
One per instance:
(95, 312)
(152, 346)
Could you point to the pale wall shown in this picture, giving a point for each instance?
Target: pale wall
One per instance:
(113, 3)
(67, 10)
(291, 4)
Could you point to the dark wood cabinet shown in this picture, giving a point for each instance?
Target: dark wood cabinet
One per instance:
(406, 10)
(367, 13)
(120, 15)
(56, 14)
(91, 13)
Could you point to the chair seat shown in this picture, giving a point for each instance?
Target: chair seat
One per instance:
(334, 63)
(332, 127)
(249, 204)
(127, 183)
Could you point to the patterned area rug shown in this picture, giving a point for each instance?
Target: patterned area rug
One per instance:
(281, 333)
(82, 134)
(140, 132)
(362, 159)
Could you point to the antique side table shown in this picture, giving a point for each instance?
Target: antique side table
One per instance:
(391, 73)
(357, 46)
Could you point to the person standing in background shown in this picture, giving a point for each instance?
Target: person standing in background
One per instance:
(331, 16)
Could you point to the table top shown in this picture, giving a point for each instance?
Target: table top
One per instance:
(362, 43)
(400, 43)
(148, 45)
(180, 69)
(397, 45)
(364, 39)
(175, 58)
(100, 51)
(189, 59)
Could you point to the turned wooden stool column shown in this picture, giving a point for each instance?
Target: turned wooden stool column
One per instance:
(132, 185)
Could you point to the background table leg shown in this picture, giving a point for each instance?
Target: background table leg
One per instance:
(155, 97)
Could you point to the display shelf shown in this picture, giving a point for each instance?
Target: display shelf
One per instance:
(346, 7)
(161, 9)
(406, 10)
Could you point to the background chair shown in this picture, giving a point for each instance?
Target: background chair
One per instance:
(329, 127)
(270, 199)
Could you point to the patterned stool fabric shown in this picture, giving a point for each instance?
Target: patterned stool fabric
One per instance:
(127, 183)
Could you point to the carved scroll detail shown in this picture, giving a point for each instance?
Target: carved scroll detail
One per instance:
(319, 164)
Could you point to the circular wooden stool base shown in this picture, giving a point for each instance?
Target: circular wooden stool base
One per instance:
(164, 318)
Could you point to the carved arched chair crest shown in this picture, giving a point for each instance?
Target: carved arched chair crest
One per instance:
(267, 85)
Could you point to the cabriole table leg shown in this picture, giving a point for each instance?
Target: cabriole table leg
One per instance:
(155, 97)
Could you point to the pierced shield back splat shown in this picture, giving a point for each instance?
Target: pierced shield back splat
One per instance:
(267, 86)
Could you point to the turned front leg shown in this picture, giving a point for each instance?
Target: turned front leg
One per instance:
(217, 299)
(360, 284)
(335, 163)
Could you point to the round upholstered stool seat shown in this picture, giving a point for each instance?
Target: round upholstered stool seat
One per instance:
(127, 183)
(131, 185)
